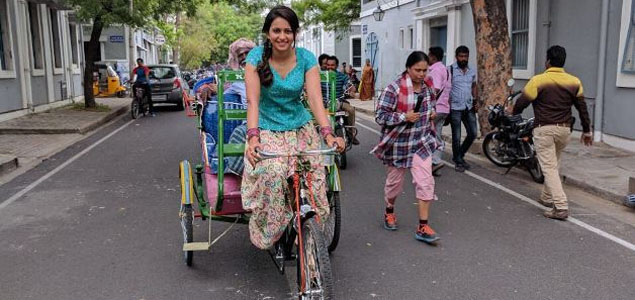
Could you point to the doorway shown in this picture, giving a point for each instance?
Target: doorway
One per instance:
(439, 38)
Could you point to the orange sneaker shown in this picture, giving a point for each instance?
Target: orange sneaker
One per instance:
(390, 222)
(426, 234)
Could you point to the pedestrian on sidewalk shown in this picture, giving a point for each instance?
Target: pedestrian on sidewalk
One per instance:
(442, 84)
(552, 94)
(406, 113)
(462, 106)
(367, 87)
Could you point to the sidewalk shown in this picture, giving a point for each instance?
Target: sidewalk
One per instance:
(27, 140)
(600, 169)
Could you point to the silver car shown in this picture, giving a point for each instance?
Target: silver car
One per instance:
(167, 84)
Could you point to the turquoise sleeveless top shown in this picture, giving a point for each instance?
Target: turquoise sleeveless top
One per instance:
(280, 108)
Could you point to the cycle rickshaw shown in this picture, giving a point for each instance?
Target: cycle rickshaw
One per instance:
(215, 196)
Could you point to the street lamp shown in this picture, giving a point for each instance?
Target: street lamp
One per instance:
(378, 13)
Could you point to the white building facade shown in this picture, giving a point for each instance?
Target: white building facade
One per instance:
(599, 36)
(41, 57)
(345, 45)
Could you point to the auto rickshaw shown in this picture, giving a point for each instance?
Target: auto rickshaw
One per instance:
(106, 82)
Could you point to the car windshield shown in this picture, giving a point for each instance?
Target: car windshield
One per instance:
(162, 73)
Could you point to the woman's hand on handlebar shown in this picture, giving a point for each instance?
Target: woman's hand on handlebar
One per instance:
(253, 146)
(337, 142)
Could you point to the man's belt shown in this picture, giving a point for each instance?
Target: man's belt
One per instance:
(555, 124)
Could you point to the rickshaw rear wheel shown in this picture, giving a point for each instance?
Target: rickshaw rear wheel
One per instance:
(121, 94)
(187, 218)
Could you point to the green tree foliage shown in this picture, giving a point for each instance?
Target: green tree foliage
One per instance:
(336, 15)
(208, 34)
(104, 13)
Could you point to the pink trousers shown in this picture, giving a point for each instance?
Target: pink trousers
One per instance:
(421, 171)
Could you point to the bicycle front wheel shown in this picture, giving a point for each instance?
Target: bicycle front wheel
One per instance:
(315, 280)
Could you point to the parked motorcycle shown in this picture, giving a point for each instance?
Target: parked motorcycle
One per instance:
(511, 142)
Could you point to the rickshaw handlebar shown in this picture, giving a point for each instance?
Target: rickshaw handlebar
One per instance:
(316, 152)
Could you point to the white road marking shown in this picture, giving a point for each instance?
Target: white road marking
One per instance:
(48, 175)
(528, 200)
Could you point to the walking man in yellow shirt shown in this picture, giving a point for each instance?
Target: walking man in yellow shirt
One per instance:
(552, 94)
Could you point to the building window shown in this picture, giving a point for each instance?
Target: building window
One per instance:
(55, 39)
(401, 39)
(411, 37)
(6, 59)
(356, 58)
(520, 33)
(74, 44)
(628, 60)
(36, 36)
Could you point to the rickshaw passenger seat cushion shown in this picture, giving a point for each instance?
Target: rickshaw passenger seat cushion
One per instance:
(232, 203)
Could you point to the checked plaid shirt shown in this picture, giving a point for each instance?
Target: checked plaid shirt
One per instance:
(401, 140)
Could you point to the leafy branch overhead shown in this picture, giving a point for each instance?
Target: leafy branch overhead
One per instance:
(336, 15)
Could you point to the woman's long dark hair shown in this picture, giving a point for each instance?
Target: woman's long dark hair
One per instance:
(279, 11)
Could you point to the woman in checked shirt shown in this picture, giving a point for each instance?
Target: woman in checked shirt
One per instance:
(406, 113)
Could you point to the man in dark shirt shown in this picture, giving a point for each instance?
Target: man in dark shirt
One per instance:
(552, 94)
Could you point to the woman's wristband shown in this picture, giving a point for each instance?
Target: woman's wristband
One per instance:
(251, 132)
(326, 131)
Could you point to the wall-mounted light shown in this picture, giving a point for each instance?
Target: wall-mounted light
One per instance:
(378, 13)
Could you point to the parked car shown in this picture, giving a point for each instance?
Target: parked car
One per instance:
(167, 84)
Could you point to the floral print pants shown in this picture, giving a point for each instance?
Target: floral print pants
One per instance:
(265, 186)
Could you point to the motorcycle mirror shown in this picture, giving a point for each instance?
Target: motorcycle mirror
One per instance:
(510, 82)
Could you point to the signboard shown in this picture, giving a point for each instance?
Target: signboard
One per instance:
(159, 39)
(116, 39)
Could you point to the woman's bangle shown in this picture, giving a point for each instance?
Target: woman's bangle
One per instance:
(326, 131)
(251, 132)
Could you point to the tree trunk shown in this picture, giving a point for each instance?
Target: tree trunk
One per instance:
(175, 50)
(493, 54)
(92, 48)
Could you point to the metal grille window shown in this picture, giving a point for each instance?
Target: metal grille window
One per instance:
(55, 39)
(520, 33)
(36, 36)
(411, 37)
(401, 39)
(628, 61)
(357, 53)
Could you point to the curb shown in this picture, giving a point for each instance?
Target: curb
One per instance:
(107, 118)
(8, 164)
(475, 149)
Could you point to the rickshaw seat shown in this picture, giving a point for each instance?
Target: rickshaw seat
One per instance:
(232, 203)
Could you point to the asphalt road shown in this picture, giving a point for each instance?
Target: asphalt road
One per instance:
(106, 227)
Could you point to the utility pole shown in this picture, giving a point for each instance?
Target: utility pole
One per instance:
(131, 44)
(176, 51)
